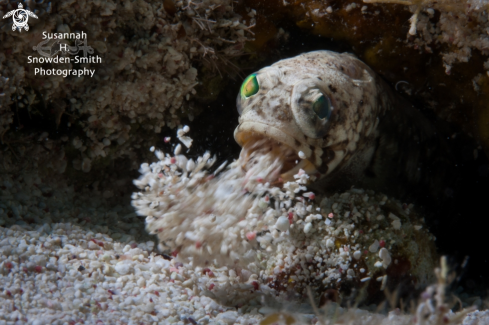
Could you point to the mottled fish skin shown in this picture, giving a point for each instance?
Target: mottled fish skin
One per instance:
(371, 138)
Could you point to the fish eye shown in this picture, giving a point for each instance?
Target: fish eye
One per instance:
(322, 107)
(312, 109)
(250, 86)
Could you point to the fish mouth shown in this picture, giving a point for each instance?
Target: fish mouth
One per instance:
(266, 147)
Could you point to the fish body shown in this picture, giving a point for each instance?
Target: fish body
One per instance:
(345, 124)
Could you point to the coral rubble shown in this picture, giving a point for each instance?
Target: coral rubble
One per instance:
(275, 237)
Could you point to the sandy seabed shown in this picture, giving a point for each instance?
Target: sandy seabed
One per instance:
(68, 257)
(63, 273)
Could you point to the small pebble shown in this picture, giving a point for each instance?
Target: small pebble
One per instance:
(357, 255)
(283, 224)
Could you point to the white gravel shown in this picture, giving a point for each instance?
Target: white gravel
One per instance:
(68, 257)
(74, 256)
(65, 261)
(258, 238)
(65, 274)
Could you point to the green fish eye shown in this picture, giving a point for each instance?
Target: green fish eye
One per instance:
(322, 107)
(250, 86)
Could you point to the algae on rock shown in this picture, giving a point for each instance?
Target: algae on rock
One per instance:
(151, 54)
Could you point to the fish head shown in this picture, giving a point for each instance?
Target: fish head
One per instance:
(318, 106)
